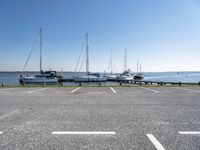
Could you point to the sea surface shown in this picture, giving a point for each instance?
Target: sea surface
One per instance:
(11, 78)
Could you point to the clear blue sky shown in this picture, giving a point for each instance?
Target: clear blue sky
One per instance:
(164, 35)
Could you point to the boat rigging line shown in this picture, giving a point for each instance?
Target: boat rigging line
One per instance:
(82, 48)
(31, 51)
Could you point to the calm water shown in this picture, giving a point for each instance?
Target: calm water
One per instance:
(11, 78)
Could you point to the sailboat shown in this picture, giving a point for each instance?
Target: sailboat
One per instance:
(126, 75)
(139, 75)
(111, 76)
(88, 76)
(47, 77)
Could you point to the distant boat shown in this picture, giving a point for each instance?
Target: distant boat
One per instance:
(126, 75)
(139, 75)
(47, 77)
(88, 76)
(111, 76)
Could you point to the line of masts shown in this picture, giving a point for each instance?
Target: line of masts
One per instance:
(40, 50)
(87, 56)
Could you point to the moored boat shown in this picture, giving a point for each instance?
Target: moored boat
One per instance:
(47, 77)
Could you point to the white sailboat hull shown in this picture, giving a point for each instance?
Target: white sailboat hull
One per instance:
(35, 80)
(89, 78)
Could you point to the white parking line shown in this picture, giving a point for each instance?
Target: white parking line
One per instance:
(113, 90)
(189, 132)
(9, 114)
(155, 142)
(81, 133)
(75, 90)
(148, 89)
(1, 132)
(95, 92)
(187, 89)
(29, 92)
(2, 90)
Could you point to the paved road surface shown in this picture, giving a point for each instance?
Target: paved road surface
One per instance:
(117, 118)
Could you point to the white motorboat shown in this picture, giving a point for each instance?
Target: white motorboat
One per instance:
(125, 76)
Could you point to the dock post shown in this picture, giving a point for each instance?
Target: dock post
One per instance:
(140, 83)
(3, 84)
(80, 84)
(199, 83)
(179, 83)
(44, 83)
(61, 83)
(120, 83)
(99, 84)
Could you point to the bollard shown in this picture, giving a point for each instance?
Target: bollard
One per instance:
(120, 83)
(151, 83)
(80, 84)
(3, 84)
(99, 84)
(199, 83)
(161, 83)
(44, 84)
(61, 83)
(140, 83)
(179, 83)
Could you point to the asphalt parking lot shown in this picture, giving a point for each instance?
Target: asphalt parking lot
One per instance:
(128, 118)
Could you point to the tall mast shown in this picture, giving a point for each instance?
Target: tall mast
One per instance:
(125, 61)
(137, 66)
(87, 54)
(40, 50)
(111, 61)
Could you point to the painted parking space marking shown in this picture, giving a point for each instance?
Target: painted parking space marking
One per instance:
(96, 92)
(2, 90)
(155, 142)
(81, 133)
(75, 90)
(189, 132)
(10, 114)
(34, 91)
(113, 90)
(148, 89)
